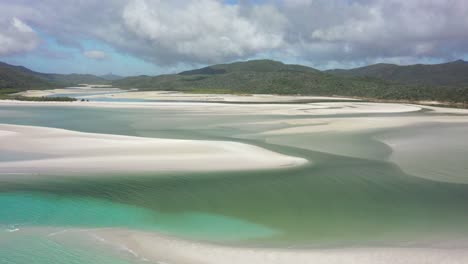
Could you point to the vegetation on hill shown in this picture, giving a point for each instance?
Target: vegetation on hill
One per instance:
(73, 79)
(451, 74)
(111, 77)
(19, 77)
(266, 76)
(22, 78)
(444, 82)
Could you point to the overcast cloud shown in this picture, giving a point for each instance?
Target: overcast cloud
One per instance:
(322, 33)
(16, 36)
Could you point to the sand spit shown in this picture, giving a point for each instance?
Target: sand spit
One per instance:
(156, 248)
(328, 108)
(71, 91)
(416, 147)
(252, 98)
(356, 124)
(419, 153)
(64, 151)
(180, 96)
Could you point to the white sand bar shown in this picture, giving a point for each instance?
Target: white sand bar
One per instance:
(178, 96)
(71, 91)
(64, 151)
(157, 248)
(254, 98)
(325, 108)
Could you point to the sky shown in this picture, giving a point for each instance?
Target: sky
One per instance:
(134, 37)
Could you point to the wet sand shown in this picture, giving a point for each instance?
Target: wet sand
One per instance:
(147, 247)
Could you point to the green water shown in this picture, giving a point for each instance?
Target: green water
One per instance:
(351, 195)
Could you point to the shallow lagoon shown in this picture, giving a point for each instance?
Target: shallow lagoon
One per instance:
(353, 194)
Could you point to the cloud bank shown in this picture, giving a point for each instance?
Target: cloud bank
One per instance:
(16, 37)
(318, 32)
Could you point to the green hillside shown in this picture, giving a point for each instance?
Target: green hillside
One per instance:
(73, 79)
(266, 76)
(18, 77)
(443, 82)
(111, 77)
(21, 78)
(451, 74)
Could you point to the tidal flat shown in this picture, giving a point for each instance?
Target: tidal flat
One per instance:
(382, 182)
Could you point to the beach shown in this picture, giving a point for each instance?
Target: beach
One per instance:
(116, 93)
(145, 247)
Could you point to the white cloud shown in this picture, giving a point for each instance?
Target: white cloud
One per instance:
(16, 37)
(203, 30)
(319, 32)
(96, 54)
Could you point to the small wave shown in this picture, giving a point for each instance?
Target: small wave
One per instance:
(12, 228)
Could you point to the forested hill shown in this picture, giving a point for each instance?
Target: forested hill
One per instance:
(267, 76)
(451, 74)
(20, 78)
(445, 82)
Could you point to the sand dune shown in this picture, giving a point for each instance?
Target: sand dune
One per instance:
(63, 151)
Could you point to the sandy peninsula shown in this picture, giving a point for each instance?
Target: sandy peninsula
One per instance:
(58, 151)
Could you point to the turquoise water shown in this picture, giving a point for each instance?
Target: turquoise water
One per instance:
(352, 195)
(26, 209)
(35, 249)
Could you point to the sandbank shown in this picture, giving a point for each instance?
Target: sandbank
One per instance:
(319, 109)
(64, 151)
(71, 91)
(355, 124)
(117, 93)
(157, 248)
(251, 98)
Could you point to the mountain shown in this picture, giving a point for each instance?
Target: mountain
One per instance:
(111, 77)
(72, 79)
(267, 76)
(443, 82)
(256, 76)
(19, 77)
(451, 74)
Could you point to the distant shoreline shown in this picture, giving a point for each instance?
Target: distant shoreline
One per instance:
(179, 96)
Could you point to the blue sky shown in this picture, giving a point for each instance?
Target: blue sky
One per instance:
(54, 57)
(133, 37)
